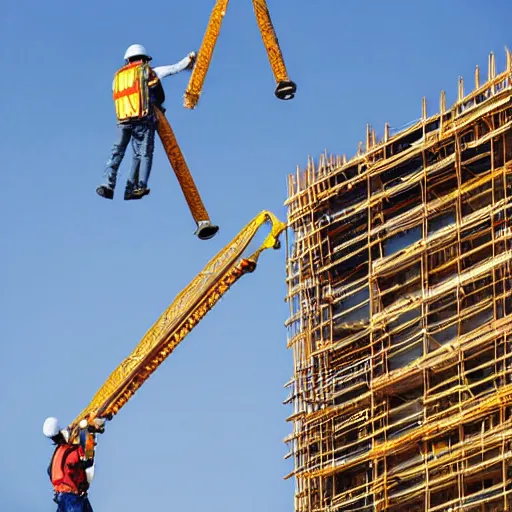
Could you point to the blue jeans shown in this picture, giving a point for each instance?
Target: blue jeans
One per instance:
(69, 502)
(142, 135)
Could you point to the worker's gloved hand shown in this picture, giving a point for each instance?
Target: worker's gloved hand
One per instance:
(65, 434)
(98, 425)
(99, 422)
(192, 57)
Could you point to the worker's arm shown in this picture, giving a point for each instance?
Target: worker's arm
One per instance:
(77, 459)
(172, 69)
(87, 463)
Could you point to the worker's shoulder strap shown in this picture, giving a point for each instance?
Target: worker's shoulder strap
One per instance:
(153, 79)
(131, 65)
(145, 69)
(66, 449)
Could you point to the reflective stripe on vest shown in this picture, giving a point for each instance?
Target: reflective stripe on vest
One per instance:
(130, 91)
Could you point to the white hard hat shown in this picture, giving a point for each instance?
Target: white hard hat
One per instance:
(51, 427)
(134, 50)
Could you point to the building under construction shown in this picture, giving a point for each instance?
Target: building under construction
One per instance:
(399, 285)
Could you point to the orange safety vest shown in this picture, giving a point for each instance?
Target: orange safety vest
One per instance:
(131, 90)
(66, 473)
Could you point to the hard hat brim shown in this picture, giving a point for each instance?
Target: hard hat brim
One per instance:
(147, 57)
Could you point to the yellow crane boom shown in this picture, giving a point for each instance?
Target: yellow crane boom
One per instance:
(204, 56)
(205, 229)
(285, 89)
(189, 307)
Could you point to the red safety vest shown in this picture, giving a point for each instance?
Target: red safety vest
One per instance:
(67, 474)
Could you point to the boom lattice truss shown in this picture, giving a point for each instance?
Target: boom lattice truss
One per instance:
(189, 307)
(285, 88)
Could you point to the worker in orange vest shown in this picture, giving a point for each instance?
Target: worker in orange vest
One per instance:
(136, 89)
(69, 472)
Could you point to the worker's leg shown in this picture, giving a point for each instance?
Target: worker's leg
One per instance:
(133, 178)
(144, 145)
(61, 505)
(87, 505)
(139, 136)
(113, 163)
(69, 502)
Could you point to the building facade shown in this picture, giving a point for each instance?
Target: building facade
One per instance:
(400, 294)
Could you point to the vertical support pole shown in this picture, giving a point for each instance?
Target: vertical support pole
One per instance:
(386, 132)
(442, 110)
(491, 71)
(460, 91)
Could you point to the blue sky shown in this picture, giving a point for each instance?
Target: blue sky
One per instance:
(84, 278)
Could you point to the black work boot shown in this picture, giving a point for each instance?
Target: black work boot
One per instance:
(105, 191)
(128, 192)
(139, 193)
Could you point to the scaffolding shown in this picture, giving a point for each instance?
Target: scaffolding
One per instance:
(400, 293)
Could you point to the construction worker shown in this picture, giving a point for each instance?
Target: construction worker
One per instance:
(69, 472)
(136, 90)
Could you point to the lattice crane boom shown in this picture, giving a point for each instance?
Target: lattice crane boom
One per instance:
(189, 307)
(205, 229)
(285, 89)
(205, 54)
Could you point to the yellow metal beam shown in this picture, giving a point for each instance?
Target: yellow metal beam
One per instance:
(187, 184)
(189, 307)
(204, 56)
(285, 89)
